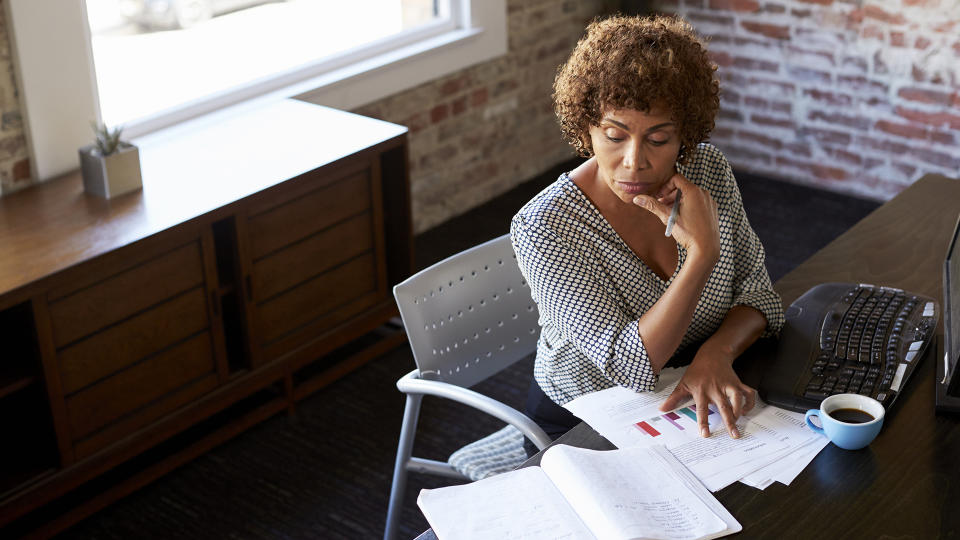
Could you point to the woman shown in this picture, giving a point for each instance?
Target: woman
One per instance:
(617, 297)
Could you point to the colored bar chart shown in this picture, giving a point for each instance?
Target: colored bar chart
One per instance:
(648, 428)
(672, 421)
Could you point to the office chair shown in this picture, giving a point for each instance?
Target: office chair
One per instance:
(467, 318)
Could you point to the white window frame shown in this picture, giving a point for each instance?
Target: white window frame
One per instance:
(58, 88)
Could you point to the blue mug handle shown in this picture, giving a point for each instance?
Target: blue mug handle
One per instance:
(813, 412)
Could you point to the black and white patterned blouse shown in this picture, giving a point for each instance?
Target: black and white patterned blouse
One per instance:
(591, 289)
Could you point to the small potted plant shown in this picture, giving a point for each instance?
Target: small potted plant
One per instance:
(110, 166)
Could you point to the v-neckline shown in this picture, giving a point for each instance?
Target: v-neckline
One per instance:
(681, 253)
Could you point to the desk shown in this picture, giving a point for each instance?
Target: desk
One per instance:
(907, 483)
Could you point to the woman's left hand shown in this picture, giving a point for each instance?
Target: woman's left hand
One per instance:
(710, 379)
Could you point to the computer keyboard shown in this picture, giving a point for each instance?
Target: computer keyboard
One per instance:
(849, 338)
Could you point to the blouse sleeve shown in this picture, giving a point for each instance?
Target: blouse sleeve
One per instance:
(570, 296)
(752, 285)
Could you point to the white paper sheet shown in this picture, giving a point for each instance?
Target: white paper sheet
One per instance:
(629, 419)
(792, 463)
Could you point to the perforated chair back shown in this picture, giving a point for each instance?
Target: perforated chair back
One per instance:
(469, 316)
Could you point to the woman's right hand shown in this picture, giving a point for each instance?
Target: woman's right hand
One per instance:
(697, 228)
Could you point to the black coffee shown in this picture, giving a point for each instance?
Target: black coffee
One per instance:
(851, 416)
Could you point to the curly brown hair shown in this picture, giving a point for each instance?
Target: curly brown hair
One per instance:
(636, 63)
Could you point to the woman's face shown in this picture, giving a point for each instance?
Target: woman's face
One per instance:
(636, 151)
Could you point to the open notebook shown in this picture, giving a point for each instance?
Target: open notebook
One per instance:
(582, 494)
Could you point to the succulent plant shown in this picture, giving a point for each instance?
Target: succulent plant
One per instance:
(108, 140)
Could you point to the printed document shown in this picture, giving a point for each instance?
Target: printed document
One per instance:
(582, 494)
(630, 419)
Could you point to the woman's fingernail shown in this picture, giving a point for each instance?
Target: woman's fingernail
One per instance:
(736, 433)
(639, 201)
(705, 432)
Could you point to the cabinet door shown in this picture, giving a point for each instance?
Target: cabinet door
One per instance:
(315, 255)
(132, 343)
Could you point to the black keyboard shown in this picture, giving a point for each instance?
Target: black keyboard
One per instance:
(849, 338)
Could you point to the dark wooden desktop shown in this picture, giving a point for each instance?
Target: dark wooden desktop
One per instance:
(906, 484)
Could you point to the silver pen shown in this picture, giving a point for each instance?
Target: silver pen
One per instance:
(673, 214)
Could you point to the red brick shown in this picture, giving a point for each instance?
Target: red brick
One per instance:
(735, 5)
(770, 121)
(884, 145)
(439, 113)
(478, 97)
(453, 86)
(800, 13)
(756, 102)
(926, 96)
(720, 58)
(903, 130)
(727, 114)
(820, 171)
(21, 170)
(940, 159)
(876, 12)
(907, 170)
(459, 105)
(931, 118)
(845, 156)
(723, 133)
(776, 31)
(719, 20)
(897, 39)
(729, 96)
(416, 122)
(921, 3)
(922, 43)
(773, 8)
(821, 2)
(832, 98)
(753, 64)
(798, 149)
(772, 142)
(945, 27)
(942, 137)
(872, 31)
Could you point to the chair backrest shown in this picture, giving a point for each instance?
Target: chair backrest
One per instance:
(470, 315)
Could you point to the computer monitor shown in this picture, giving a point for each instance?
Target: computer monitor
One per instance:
(948, 378)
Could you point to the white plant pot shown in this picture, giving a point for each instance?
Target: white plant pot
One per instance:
(109, 176)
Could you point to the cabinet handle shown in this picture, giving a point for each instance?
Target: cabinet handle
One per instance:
(249, 288)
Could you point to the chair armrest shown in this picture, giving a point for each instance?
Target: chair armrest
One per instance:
(411, 383)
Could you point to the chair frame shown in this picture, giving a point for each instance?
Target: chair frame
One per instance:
(437, 374)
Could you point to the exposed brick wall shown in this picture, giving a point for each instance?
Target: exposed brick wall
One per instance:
(479, 132)
(857, 96)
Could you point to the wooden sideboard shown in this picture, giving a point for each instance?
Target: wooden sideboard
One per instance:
(254, 267)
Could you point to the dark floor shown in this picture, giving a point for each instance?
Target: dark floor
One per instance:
(326, 473)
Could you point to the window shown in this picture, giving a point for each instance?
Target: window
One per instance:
(118, 61)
